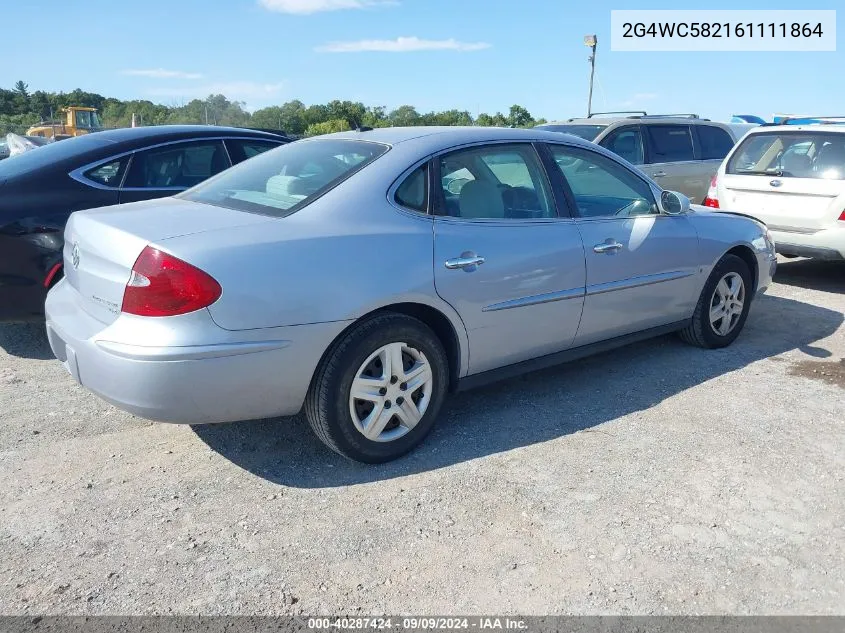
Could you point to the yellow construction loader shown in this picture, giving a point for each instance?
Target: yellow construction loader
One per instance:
(76, 121)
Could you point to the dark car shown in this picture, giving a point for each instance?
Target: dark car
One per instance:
(40, 188)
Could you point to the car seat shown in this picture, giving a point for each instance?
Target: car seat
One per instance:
(481, 199)
(626, 147)
(797, 165)
(830, 163)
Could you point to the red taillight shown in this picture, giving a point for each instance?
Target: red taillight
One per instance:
(712, 199)
(842, 217)
(164, 285)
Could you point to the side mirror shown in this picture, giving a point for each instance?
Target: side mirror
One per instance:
(674, 203)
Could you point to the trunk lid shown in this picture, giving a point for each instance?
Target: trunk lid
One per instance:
(792, 204)
(101, 245)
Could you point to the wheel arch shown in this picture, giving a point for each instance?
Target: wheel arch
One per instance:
(746, 254)
(447, 327)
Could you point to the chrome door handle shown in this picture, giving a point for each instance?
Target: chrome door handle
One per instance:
(659, 174)
(464, 262)
(607, 247)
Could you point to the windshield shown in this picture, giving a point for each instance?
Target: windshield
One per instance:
(87, 119)
(792, 154)
(282, 180)
(586, 132)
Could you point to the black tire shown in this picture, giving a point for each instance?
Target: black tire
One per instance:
(700, 331)
(327, 403)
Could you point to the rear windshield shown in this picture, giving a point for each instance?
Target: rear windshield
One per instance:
(791, 154)
(586, 132)
(282, 180)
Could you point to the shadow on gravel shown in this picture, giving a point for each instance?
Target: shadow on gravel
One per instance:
(813, 274)
(25, 340)
(533, 408)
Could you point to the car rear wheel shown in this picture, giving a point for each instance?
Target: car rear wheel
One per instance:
(378, 390)
(723, 305)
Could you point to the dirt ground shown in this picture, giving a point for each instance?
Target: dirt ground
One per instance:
(655, 479)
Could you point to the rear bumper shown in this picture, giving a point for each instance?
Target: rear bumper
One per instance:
(258, 374)
(825, 244)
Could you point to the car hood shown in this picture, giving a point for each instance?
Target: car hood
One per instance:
(702, 210)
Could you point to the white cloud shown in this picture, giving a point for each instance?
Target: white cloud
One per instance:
(161, 73)
(401, 45)
(304, 7)
(253, 94)
(638, 99)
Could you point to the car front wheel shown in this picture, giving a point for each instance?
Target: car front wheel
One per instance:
(723, 305)
(378, 390)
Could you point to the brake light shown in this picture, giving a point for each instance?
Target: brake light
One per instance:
(842, 217)
(164, 285)
(712, 199)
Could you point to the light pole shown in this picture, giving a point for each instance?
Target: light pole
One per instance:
(591, 41)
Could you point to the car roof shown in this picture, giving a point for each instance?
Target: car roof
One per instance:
(452, 135)
(681, 120)
(807, 127)
(168, 132)
(80, 150)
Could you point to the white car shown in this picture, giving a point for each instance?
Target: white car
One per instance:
(791, 177)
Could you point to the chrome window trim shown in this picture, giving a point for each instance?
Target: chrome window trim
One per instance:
(78, 174)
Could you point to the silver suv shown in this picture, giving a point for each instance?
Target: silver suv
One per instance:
(680, 151)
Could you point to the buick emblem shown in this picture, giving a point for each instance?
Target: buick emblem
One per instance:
(74, 255)
(775, 183)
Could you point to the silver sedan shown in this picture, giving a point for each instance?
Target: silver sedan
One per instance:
(363, 276)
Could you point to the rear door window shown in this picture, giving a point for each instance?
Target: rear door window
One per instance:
(177, 165)
(790, 154)
(715, 142)
(669, 143)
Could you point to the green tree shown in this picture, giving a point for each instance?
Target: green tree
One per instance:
(351, 112)
(22, 89)
(327, 127)
(404, 115)
(519, 117)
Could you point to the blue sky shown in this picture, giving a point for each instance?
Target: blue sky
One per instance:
(477, 55)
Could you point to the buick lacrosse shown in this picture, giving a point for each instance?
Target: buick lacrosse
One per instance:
(363, 276)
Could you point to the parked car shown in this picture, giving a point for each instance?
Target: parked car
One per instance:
(40, 188)
(792, 177)
(681, 151)
(363, 275)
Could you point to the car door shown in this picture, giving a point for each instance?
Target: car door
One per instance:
(642, 265)
(167, 169)
(671, 160)
(504, 258)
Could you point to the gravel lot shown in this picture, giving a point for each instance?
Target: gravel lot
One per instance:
(655, 479)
